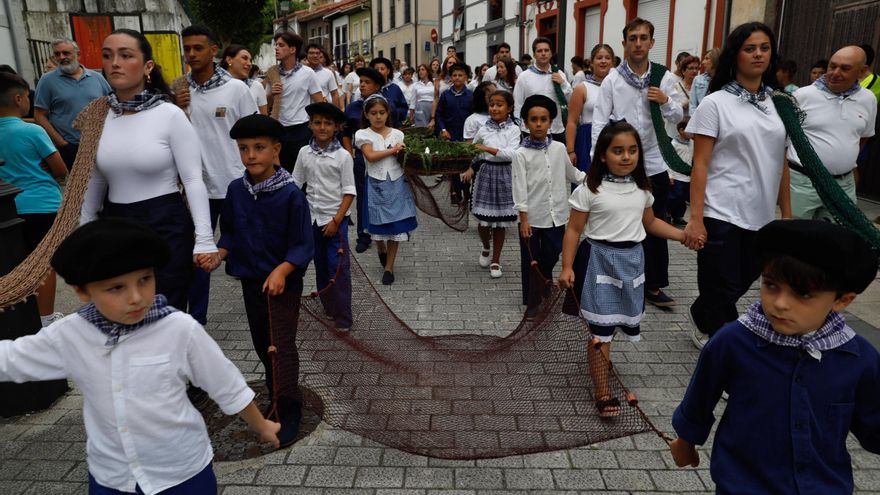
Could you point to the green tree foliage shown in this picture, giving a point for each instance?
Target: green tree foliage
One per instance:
(235, 21)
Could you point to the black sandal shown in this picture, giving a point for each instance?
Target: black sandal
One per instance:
(608, 408)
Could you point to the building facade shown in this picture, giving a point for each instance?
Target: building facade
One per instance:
(402, 29)
(31, 25)
(476, 29)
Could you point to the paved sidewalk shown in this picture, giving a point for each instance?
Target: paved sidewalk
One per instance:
(440, 290)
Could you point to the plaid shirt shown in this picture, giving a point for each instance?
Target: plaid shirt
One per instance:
(832, 334)
(219, 78)
(114, 331)
(144, 100)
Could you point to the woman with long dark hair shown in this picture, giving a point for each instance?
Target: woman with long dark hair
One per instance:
(145, 146)
(237, 60)
(739, 174)
(505, 74)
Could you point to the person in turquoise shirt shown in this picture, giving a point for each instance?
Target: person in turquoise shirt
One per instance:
(24, 152)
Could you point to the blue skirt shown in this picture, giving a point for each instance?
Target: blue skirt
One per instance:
(583, 145)
(390, 208)
(613, 294)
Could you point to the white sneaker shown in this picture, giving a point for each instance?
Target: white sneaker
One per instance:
(697, 337)
(50, 319)
(495, 270)
(484, 260)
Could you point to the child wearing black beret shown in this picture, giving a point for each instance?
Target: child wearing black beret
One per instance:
(132, 357)
(798, 378)
(266, 240)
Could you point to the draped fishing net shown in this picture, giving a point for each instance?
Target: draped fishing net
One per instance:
(453, 397)
(432, 195)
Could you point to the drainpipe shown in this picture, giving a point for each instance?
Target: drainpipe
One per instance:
(416, 31)
(561, 23)
(21, 69)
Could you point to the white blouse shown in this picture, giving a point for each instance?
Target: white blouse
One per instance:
(387, 168)
(505, 140)
(616, 210)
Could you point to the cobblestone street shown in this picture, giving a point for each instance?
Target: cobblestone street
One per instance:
(439, 290)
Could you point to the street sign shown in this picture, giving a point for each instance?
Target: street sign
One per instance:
(434, 35)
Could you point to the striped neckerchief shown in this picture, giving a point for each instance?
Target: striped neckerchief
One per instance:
(114, 331)
(220, 77)
(832, 334)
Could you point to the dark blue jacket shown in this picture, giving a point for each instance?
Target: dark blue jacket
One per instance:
(262, 233)
(399, 106)
(453, 110)
(785, 425)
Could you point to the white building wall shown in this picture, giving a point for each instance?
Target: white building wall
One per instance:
(570, 41)
(615, 19)
(690, 16)
(511, 36)
(475, 49)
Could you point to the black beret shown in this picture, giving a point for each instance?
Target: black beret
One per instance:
(371, 73)
(325, 109)
(840, 253)
(538, 101)
(382, 60)
(107, 248)
(256, 125)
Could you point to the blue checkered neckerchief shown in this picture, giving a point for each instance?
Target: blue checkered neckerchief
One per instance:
(528, 142)
(333, 146)
(220, 77)
(822, 84)
(249, 81)
(619, 179)
(284, 72)
(831, 335)
(497, 126)
(319, 68)
(114, 331)
(458, 93)
(144, 100)
(534, 68)
(278, 180)
(633, 79)
(754, 99)
(592, 80)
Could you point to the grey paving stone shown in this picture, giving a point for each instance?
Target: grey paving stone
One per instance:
(55, 488)
(330, 476)
(281, 475)
(867, 480)
(357, 456)
(588, 458)
(677, 481)
(399, 491)
(487, 478)
(247, 490)
(557, 459)
(578, 479)
(627, 479)
(526, 479)
(237, 477)
(641, 459)
(391, 457)
(45, 470)
(14, 486)
(311, 454)
(424, 477)
(379, 477)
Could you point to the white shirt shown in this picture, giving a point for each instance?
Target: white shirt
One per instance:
(141, 428)
(745, 169)
(408, 91)
(618, 100)
(387, 168)
(505, 140)
(590, 102)
(578, 78)
(330, 177)
(473, 123)
(541, 181)
(491, 73)
(352, 83)
(686, 152)
(140, 157)
(327, 82)
(296, 94)
(213, 113)
(258, 92)
(616, 211)
(422, 91)
(532, 83)
(835, 126)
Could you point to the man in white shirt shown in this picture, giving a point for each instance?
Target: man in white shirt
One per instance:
(214, 101)
(315, 58)
(297, 88)
(625, 95)
(840, 119)
(503, 52)
(540, 80)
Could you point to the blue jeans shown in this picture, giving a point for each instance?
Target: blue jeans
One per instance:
(336, 299)
(204, 483)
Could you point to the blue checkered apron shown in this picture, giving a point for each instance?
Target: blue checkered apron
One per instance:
(492, 199)
(613, 292)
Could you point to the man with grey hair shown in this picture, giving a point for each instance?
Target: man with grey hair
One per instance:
(840, 118)
(62, 94)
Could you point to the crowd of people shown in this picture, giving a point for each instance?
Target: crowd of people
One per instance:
(279, 164)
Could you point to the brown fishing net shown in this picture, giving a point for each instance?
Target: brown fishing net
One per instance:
(432, 195)
(454, 397)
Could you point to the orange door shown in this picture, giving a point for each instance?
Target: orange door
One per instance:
(89, 32)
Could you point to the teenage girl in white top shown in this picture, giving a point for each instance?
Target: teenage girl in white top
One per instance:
(580, 107)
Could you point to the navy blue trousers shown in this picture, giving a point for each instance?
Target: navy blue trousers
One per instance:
(337, 299)
(546, 246)
(360, 184)
(170, 218)
(656, 249)
(204, 483)
(294, 138)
